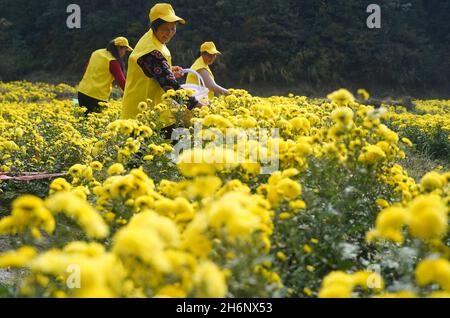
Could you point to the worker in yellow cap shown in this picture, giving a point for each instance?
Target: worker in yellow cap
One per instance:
(104, 66)
(208, 55)
(150, 70)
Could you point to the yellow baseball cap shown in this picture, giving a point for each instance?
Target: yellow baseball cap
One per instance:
(121, 41)
(165, 12)
(209, 47)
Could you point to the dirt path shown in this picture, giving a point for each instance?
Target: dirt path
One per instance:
(6, 276)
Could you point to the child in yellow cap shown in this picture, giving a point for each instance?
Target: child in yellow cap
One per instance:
(208, 55)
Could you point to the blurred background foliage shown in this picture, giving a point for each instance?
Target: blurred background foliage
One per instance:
(304, 46)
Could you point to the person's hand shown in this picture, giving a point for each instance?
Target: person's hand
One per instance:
(226, 92)
(177, 71)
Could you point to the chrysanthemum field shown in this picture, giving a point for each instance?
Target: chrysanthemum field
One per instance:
(118, 217)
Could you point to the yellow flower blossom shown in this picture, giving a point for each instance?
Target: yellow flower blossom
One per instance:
(116, 168)
(431, 181)
(210, 281)
(428, 217)
(78, 209)
(434, 271)
(341, 97)
(19, 258)
(371, 155)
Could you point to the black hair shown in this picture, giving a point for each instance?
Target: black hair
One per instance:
(111, 47)
(156, 24)
(203, 53)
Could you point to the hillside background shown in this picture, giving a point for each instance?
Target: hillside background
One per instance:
(269, 46)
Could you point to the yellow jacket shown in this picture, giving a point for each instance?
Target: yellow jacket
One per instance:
(138, 86)
(97, 80)
(192, 78)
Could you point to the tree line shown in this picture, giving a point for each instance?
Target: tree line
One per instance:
(314, 43)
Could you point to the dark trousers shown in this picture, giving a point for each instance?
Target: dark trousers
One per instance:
(167, 132)
(90, 103)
